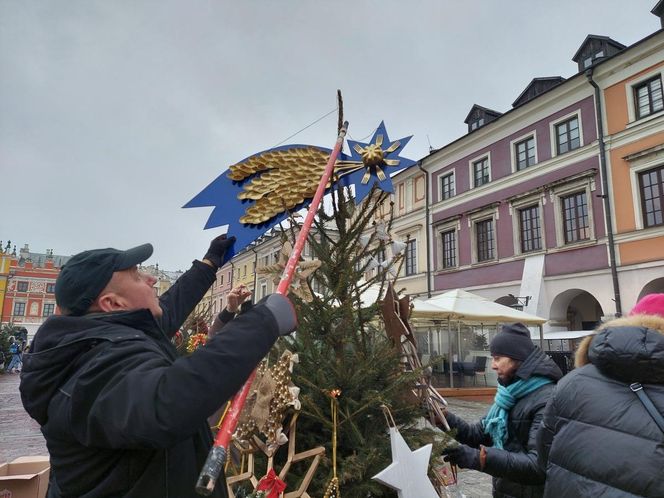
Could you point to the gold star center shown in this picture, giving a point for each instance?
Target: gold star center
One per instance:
(372, 155)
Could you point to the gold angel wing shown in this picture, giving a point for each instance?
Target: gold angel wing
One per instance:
(288, 177)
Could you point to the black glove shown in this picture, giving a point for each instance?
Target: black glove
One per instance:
(463, 456)
(282, 310)
(217, 250)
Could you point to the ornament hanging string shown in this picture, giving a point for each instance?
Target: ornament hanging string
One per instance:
(332, 490)
(388, 416)
(214, 464)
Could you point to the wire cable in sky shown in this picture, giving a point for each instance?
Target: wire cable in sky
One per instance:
(363, 139)
(308, 126)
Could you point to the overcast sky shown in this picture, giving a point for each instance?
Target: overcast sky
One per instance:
(114, 113)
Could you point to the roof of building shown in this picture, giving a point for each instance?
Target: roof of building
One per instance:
(590, 38)
(536, 87)
(577, 75)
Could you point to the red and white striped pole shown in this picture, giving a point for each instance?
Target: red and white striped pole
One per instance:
(217, 456)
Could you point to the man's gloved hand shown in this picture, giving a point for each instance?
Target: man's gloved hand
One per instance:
(464, 456)
(282, 310)
(217, 250)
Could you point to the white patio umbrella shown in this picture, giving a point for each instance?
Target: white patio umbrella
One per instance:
(464, 307)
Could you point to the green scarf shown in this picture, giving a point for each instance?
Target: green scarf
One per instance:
(495, 422)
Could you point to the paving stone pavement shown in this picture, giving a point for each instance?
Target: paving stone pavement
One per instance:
(473, 484)
(20, 434)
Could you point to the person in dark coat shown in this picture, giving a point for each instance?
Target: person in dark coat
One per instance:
(502, 444)
(122, 414)
(597, 438)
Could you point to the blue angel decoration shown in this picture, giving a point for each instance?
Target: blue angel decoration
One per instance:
(260, 191)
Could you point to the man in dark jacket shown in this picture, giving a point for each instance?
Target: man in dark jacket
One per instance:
(121, 413)
(502, 444)
(597, 438)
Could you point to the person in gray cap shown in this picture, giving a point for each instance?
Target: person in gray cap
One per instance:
(121, 413)
(503, 443)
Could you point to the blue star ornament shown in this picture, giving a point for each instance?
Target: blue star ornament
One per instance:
(260, 191)
(380, 158)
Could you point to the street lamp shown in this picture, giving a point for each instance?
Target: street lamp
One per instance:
(519, 302)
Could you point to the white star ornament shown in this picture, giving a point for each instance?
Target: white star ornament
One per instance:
(407, 474)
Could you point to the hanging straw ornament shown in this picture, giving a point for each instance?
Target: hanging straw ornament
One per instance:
(332, 490)
(398, 247)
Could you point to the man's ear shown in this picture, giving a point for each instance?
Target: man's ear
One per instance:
(110, 301)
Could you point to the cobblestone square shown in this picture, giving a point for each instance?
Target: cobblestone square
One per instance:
(20, 434)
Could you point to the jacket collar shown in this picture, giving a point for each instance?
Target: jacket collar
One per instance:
(650, 321)
(139, 319)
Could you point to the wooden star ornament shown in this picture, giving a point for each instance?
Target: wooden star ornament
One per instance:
(304, 269)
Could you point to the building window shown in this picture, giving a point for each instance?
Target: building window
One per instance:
(49, 309)
(221, 279)
(651, 185)
(648, 97)
(19, 309)
(22, 287)
(485, 240)
(316, 286)
(588, 61)
(575, 217)
(411, 257)
(263, 289)
(476, 124)
(481, 172)
(524, 152)
(447, 186)
(529, 226)
(567, 135)
(50, 288)
(448, 245)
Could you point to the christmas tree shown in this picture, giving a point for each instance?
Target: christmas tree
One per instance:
(345, 352)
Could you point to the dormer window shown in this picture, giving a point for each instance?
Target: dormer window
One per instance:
(587, 62)
(595, 48)
(476, 124)
(537, 87)
(479, 116)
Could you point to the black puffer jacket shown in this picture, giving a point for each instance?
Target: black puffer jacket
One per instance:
(597, 438)
(121, 413)
(515, 470)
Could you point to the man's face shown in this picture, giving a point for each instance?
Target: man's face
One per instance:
(505, 368)
(133, 289)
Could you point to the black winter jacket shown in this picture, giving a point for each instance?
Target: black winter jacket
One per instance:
(597, 439)
(121, 413)
(515, 470)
